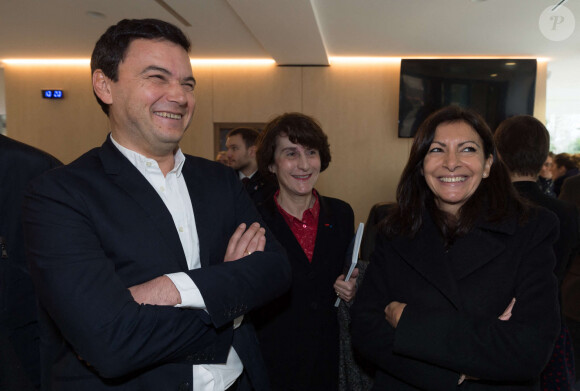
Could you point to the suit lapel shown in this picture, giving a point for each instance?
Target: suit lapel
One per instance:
(275, 221)
(480, 246)
(201, 210)
(126, 176)
(426, 254)
(324, 234)
(326, 227)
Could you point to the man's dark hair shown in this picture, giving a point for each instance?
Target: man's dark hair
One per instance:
(564, 159)
(523, 143)
(112, 47)
(300, 129)
(249, 135)
(494, 199)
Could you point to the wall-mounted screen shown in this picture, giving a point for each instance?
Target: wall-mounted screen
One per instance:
(496, 89)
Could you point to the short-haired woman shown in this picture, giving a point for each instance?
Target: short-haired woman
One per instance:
(299, 332)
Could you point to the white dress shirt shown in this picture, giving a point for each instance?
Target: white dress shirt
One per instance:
(173, 191)
(241, 175)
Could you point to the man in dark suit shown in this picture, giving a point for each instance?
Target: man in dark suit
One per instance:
(241, 145)
(522, 143)
(571, 284)
(19, 351)
(563, 168)
(571, 190)
(130, 231)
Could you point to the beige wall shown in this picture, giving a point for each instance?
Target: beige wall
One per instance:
(64, 128)
(2, 93)
(357, 106)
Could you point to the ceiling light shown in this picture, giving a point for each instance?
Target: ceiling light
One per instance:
(96, 14)
(32, 61)
(87, 61)
(363, 60)
(232, 61)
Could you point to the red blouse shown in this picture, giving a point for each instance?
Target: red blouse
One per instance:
(304, 230)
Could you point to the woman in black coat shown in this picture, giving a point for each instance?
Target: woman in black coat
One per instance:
(460, 290)
(298, 332)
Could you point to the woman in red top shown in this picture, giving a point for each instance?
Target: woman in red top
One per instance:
(298, 332)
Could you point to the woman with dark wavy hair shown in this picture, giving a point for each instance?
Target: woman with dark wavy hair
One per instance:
(460, 289)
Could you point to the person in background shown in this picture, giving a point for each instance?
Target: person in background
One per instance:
(299, 332)
(575, 159)
(522, 144)
(241, 152)
(19, 334)
(145, 260)
(222, 157)
(562, 169)
(460, 290)
(545, 177)
(571, 285)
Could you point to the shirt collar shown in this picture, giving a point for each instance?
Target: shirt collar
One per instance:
(312, 212)
(145, 163)
(242, 176)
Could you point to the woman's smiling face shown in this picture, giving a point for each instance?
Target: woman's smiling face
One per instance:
(296, 167)
(455, 165)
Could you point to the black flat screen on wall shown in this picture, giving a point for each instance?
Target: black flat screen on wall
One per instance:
(496, 89)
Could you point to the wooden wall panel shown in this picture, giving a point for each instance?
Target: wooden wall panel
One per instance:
(65, 128)
(358, 109)
(541, 85)
(255, 94)
(357, 106)
(198, 139)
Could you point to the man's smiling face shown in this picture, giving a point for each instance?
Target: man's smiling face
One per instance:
(152, 102)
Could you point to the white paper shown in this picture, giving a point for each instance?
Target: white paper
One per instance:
(355, 251)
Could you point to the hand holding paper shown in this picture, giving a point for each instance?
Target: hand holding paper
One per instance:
(354, 260)
(346, 290)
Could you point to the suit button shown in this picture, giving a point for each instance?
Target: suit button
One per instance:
(314, 305)
(183, 386)
(311, 275)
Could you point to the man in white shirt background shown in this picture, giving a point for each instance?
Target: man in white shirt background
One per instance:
(241, 144)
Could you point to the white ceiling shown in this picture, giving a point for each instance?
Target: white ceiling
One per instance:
(309, 32)
(305, 32)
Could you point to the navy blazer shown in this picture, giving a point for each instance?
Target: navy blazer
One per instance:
(298, 332)
(571, 284)
(568, 243)
(454, 297)
(260, 188)
(19, 351)
(95, 228)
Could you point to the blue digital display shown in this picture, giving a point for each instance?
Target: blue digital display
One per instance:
(52, 94)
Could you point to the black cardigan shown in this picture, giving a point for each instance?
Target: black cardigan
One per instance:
(298, 332)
